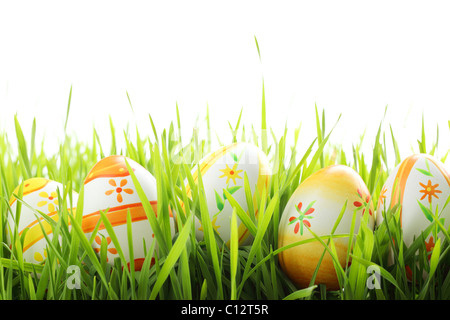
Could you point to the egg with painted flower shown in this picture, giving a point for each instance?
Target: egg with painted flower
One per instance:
(40, 196)
(314, 207)
(109, 188)
(225, 169)
(419, 187)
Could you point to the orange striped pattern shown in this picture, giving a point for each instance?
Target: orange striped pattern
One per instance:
(400, 179)
(117, 216)
(112, 166)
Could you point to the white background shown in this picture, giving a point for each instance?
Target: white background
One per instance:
(348, 57)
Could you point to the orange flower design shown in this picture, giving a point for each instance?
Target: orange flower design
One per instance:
(382, 196)
(430, 244)
(429, 190)
(111, 250)
(429, 247)
(119, 189)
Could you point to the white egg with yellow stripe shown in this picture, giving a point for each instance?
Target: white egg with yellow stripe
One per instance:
(109, 188)
(224, 169)
(38, 194)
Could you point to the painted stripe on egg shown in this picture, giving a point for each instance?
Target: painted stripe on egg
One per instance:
(34, 233)
(30, 186)
(401, 178)
(112, 166)
(117, 216)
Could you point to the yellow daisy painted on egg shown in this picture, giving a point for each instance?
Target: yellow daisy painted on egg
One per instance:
(51, 200)
(213, 222)
(231, 173)
(38, 256)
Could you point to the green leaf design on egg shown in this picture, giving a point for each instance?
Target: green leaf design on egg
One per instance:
(425, 172)
(426, 211)
(231, 190)
(219, 202)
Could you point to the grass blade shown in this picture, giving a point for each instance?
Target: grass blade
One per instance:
(172, 257)
(234, 243)
(68, 109)
(301, 294)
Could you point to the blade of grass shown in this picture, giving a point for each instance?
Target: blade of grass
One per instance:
(383, 272)
(396, 150)
(263, 223)
(113, 149)
(151, 215)
(243, 216)
(263, 121)
(204, 290)
(234, 243)
(22, 146)
(319, 137)
(88, 248)
(172, 257)
(208, 233)
(129, 101)
(301, 294)
(310, 168)
(68, 108)
(422, 143)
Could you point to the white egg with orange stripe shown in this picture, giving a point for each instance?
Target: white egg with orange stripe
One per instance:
(420, 184)
(109, 188)
(224, 169)
(38, 194)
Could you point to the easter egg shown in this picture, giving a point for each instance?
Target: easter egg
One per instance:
(109, 188)
(222, 170)
(38, 194)
(418, 183)
(316, 204)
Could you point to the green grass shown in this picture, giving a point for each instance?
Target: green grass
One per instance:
(186, 268)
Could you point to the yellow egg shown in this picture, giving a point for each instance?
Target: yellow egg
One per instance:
(316, 204)
(224, 169)
(42, 195)
(418, 183)
(109, 186)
